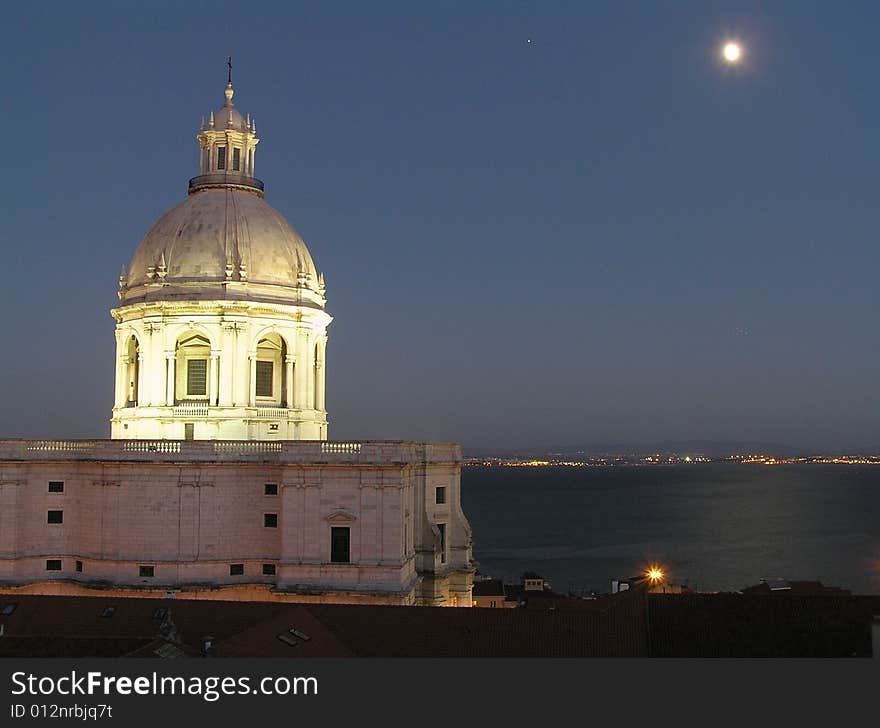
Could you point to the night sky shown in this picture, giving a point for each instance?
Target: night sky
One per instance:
(540, 223)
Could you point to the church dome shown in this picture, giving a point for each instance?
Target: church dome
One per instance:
(216, 231)
(224, 241)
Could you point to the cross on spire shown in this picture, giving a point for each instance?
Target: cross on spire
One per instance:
(229, 67)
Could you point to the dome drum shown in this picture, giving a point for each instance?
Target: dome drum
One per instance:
(226, 180)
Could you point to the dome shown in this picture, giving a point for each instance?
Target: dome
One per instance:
(229, 118)
(216, 237)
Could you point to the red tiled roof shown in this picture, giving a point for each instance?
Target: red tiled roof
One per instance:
(252, 629)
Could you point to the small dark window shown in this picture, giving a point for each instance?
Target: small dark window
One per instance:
(268, 569)
(189, 431)
(221, 157)
(79, 566)
(442, 527)
(440, 495)
(55, 517)
(160, 614)
(236, 569)
(147, 571)
(264, 378)
(196, 377)
(236, 159)
(270, 520)
(108, 611)
(56, 486)
(271, 489)
(53, 564)
(8, 609)
(340, 544)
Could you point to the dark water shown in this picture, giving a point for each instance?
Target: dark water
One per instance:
(715, 527)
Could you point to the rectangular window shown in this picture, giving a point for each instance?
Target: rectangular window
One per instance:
(147, 572)
(271, 489)
(236, 159)
(79, 566)
(270, 520)
(196, 377)
(264, 378)
(340, 544)
(56, 486)
(53, 564)
(8, 609)
(108, 611)
(442, 527)
(55, 517)
(189, 431)
(221, 157)
(440, 495)
(236, 569)
(268, 569)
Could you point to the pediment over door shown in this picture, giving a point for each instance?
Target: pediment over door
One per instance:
(340, 517)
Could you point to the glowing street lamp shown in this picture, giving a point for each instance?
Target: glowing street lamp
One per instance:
(654, 575)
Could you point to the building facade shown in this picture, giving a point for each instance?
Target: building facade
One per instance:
(219, 481)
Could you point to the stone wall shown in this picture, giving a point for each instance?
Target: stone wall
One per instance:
(250, 517)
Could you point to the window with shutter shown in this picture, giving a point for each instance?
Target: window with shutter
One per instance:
(264, 378)
(196, 377)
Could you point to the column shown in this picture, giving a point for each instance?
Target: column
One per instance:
(288, 378)
(139, 392)
(226, 366)
(252, 389)
(169, 378)
(301, 371)
(212, 378)
(319, 385)
(319, 376)
(121, 371)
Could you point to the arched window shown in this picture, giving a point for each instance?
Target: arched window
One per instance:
(191, 372)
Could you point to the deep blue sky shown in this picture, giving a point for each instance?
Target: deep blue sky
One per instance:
(602, 236)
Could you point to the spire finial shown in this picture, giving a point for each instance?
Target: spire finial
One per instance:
(229, 90)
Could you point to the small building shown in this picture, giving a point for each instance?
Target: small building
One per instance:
(490, 593)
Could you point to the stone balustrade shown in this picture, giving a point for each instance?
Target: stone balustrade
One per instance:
(277, 451)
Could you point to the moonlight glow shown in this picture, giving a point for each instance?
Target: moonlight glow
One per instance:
(732, 52)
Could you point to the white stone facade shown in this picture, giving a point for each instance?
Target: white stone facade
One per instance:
(221, 331)
(156, 341)
(153, 516)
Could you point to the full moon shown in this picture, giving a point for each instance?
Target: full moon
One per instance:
(732, 52)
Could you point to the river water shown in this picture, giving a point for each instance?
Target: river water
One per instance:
(712, 526)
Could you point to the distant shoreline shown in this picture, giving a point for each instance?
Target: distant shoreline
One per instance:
(670, 460)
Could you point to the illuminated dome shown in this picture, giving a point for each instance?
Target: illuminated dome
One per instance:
(224, 241)
(221, 329)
